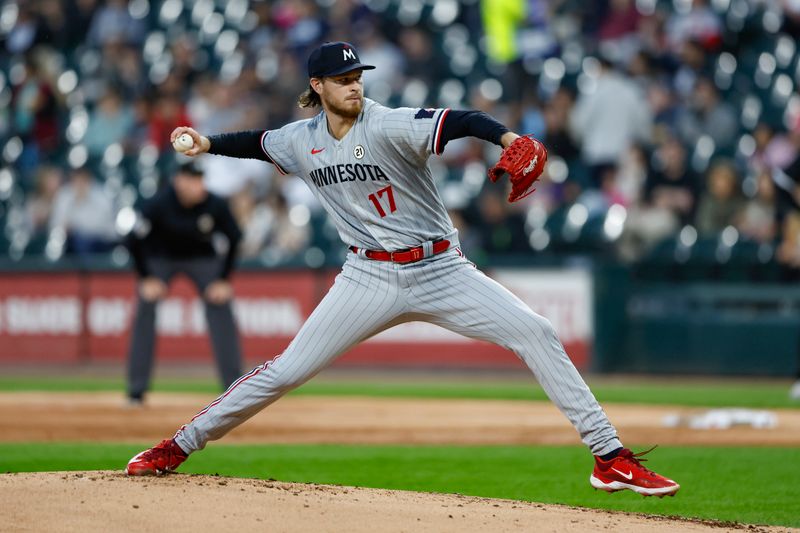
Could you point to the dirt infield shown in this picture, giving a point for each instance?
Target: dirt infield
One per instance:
(108, 501)
(36, 416)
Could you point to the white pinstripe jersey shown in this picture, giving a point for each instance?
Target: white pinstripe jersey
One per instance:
(375, 182)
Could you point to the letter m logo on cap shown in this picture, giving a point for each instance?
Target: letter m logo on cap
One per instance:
(347, 53)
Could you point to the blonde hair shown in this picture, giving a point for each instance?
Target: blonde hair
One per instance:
(309, 98)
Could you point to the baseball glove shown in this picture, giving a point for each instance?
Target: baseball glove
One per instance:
(524, 161)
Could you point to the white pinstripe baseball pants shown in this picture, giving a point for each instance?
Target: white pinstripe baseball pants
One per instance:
(371, 296)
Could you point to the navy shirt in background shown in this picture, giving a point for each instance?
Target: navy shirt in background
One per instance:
(170, 230)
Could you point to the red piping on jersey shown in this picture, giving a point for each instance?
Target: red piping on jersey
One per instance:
(255, 371)
(437, 136)
(271, 159)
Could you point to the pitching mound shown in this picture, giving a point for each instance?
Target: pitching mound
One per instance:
(110, 501)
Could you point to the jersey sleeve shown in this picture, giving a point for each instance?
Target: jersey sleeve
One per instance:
(416, 132)
(277, 145)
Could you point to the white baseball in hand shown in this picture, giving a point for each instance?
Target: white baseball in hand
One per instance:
(183, 142)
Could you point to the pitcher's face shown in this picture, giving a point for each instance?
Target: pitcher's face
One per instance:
(342, 95)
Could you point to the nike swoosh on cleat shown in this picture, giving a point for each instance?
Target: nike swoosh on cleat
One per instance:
(627, 476)
(314, 151)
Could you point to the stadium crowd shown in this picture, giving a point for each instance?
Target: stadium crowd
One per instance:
(670, 125)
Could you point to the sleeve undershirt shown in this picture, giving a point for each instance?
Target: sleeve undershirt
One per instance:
(458, 124)
(241, 144)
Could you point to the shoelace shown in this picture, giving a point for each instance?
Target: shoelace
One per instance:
(636, 458)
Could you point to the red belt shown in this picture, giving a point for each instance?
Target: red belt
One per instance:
(411, 255)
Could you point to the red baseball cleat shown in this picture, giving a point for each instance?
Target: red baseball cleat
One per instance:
(625, 471)
(160, 459)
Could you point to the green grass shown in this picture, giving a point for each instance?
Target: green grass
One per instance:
(749, 485)
(693, 393)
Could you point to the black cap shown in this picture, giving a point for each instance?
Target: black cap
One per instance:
(332, 59)
(191, 168)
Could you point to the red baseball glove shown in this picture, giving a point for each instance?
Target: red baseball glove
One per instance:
(524, 161)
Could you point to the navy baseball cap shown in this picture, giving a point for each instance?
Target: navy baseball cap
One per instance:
(190, 168)
(332, 59)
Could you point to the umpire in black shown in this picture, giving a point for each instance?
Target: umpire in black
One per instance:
(175, 232)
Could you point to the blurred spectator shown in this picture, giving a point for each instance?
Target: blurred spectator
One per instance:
(535, 38)
(532, 120)
(124, 72)
(500, 229)
(722, 201)
(662, 102)
(374, 49)
(791, 25)
(110, 122)
(758, 218)
(707, 114)
(167, 114)
(631, 176)
(468, 238)
(653, 35)
(502, 20)
(286, 236)
(263, 36)
(52, 23)
(103, 71)
(228, 176)
(672, 185)
(39, 204)
(284, 89)
(421, 62)
(670, 51)
(610, 118)
(556, 123)
(187, 61)
(26, 31)
(200, 103)
(296, 192)
(218, 107)
(254, 219)
(85, 213)
(35, 115)
(773, 150)
(79, 14)
(303, 23)
(693, 63)
(112, 23)
(788, 252)
(642, 69)
(618, 33)
(610, 192)
(667, 204)
(698, 23)
(140, 129)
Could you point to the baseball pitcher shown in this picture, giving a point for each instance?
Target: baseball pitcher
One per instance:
(367, 165)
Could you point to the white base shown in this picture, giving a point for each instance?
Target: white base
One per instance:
(618, 485)
(794, 392)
